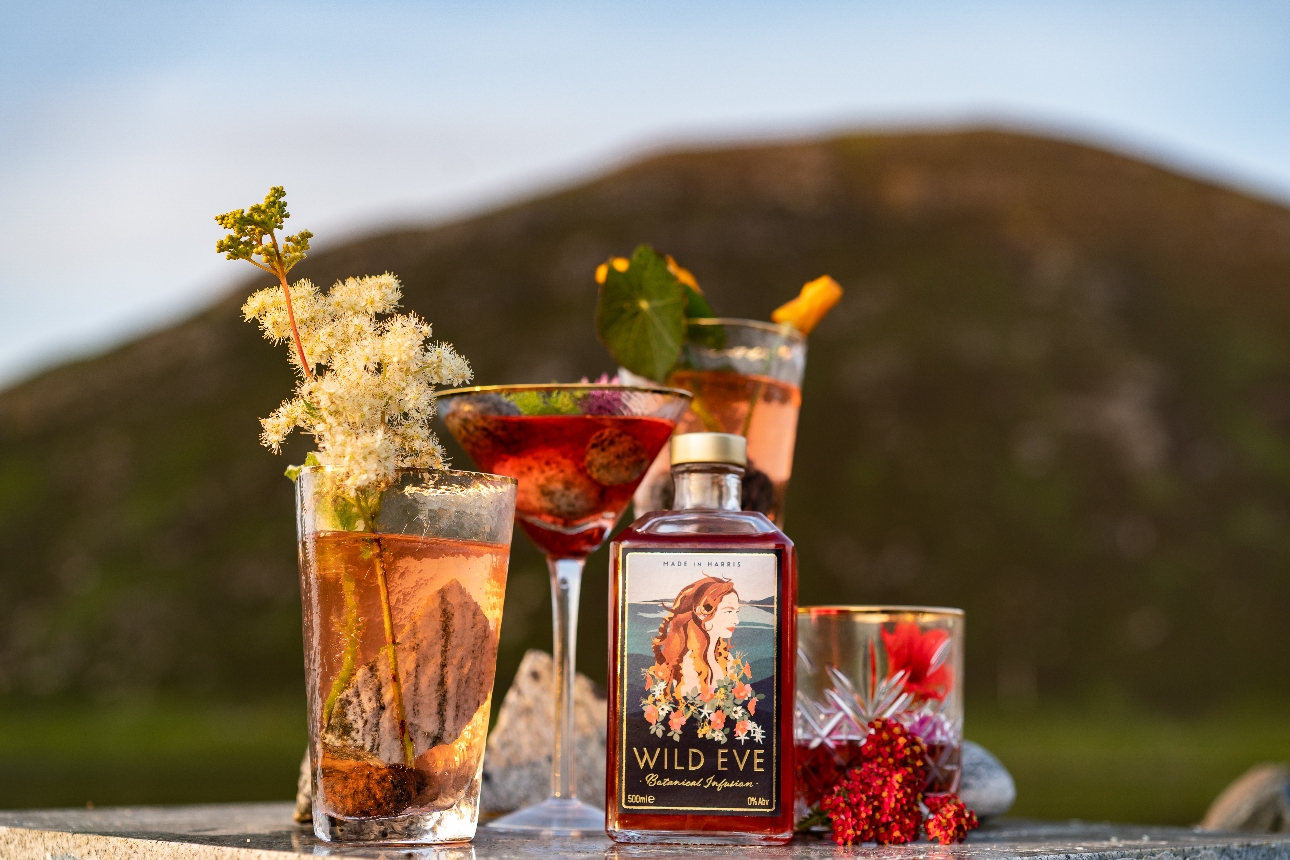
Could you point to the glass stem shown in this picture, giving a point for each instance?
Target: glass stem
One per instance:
(566, 584)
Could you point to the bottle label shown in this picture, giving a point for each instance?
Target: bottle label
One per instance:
(699, 663)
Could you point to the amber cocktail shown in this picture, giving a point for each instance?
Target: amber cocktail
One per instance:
(403, 595)
(746, 378)
(579, 452)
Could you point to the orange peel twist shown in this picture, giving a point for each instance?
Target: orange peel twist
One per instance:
(805, 312)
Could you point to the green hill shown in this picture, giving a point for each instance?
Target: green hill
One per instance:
(1057, 394)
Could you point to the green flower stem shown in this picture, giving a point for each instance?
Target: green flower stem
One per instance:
(391, 653)
(352, 637)
(817, 817)
(699, 408)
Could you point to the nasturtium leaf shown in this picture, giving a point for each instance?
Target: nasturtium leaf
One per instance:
(641, 315)
(696, 306)
(709, 336)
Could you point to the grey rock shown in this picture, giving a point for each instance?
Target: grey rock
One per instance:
(517, 765)
(1258, 801)
(986, 786)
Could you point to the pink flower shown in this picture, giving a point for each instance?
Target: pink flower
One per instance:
(705, 693)
(676, 721)
(718, 720)
(742, 690)
(741, 728)
(651, 714)
(752, 706)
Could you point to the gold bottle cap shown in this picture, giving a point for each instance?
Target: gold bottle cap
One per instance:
(709, 448)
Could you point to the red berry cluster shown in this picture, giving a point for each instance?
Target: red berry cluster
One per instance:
(878, 801)
(949, 820)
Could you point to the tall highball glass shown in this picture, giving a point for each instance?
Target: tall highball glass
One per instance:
(402, 596)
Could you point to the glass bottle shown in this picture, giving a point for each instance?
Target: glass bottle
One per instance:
(701, 663)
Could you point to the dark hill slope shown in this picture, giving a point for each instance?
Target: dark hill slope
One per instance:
(1057, 394)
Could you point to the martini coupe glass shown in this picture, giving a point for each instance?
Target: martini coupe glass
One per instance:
(578, 451)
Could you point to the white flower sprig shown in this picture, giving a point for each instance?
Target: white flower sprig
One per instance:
(367, 374)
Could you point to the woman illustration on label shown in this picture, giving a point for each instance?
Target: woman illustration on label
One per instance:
(693, 642)
(695, 673)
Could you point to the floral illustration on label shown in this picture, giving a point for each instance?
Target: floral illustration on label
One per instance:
(696, 676)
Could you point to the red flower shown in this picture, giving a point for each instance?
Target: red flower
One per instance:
(950, 820)
(676, 721)
(915, 652)
(742, 690)
(878, 801)
(752, 706)
(651, 714)
(717, 720)
(742, 727)
(706, 693)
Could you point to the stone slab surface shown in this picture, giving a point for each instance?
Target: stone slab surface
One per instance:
(264, 831)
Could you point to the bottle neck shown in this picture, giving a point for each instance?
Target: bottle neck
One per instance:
(707, 486)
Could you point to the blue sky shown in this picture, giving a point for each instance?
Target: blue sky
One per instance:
(124, 127)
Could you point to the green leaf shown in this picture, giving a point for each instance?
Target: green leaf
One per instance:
(544, 402)
(641, 315)
(710, 336)
(311, 459)
(696, 306)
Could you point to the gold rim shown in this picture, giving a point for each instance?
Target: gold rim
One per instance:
(883, 610)
(762, 325)
(564, 386)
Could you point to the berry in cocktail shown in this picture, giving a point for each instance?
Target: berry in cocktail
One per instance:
(576, 472)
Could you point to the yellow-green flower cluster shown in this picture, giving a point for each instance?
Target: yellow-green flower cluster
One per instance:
(370, 397)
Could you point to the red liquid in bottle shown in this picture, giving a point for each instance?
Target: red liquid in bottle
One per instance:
(732, 575)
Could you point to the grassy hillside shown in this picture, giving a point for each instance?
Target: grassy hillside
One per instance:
(1057, 394)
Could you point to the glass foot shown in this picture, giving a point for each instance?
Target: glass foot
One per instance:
(555, 816)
